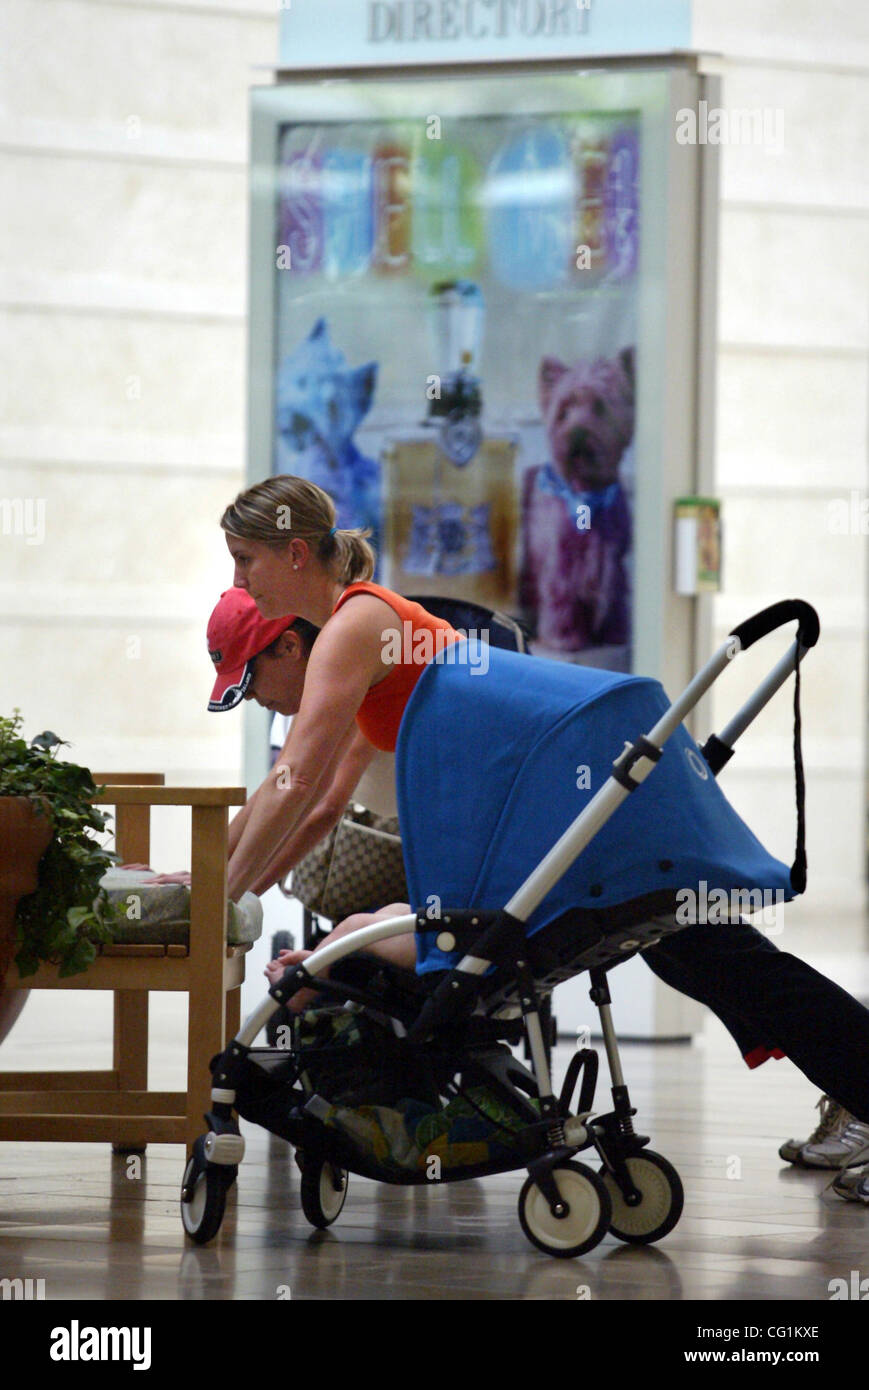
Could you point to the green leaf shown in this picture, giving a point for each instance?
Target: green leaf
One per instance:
(78, 960)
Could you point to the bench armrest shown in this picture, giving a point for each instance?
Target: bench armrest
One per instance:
(209, 850)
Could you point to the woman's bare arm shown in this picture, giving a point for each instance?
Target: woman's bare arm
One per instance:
(322, 818)
(239, 821)
(346, 660)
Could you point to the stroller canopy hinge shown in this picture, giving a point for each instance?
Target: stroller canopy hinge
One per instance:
(633, 766)
(716, 753)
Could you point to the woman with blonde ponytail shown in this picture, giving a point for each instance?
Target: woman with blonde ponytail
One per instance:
(372, 648)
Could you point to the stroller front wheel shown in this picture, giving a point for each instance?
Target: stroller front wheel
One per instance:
(323, 1193)
(662, 1200)
(205, 1188)
(587, 1219)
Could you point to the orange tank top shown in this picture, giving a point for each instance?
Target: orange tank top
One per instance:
(422, 637)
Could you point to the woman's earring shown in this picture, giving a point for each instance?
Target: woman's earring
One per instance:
(295, 567)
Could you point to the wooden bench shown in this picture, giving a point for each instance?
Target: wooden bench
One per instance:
(116, 1106)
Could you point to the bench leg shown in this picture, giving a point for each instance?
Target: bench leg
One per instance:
(206, 1031)
(130, 1048)
(130, 1039)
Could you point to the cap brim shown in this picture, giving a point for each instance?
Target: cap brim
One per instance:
(230, 688)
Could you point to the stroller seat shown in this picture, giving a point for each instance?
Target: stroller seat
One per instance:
(575, 942)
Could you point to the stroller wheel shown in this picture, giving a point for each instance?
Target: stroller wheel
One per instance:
(206, 1188)
(663, 1198)
(323, 1191)
(587, 1219)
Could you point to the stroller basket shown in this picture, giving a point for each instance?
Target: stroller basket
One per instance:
(520, 877)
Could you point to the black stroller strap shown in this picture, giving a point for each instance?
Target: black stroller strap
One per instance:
(799, 866)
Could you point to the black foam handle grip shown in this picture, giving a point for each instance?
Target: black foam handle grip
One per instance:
(768, 619)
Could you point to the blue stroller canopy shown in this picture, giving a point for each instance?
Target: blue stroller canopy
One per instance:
(493, 765)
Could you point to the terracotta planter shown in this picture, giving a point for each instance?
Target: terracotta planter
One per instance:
(24, 838)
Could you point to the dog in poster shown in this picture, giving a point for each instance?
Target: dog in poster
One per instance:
(320, 402)
(576, 522)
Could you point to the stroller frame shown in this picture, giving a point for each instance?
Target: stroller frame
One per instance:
(565, 1208)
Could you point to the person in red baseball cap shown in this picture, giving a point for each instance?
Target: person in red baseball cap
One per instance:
(256, 658)
(266, 659)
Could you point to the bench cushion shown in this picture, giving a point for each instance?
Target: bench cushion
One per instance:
(159, 913)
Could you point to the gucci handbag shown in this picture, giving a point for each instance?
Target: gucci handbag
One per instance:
(357, 867)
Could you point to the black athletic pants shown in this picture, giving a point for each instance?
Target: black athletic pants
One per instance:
(768, 999)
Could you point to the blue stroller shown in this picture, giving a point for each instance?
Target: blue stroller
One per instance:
(520, 876)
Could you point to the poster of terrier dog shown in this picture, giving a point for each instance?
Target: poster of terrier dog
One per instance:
(576, 520)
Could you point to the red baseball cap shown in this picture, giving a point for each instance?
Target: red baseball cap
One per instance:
(236, 634)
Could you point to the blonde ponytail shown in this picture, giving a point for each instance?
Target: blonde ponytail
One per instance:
(356, 558)
(283, 508)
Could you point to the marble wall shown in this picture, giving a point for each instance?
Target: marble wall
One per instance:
(793, 330)
(124, 241)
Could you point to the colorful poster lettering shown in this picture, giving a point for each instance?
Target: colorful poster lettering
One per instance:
(529, 200)
(447, 224)
(392, 207)
(301, 222)
(621, 203)
(348, 213)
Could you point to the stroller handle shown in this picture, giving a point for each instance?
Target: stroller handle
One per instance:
(768, 619)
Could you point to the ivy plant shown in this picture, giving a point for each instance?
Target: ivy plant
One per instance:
(69, 914)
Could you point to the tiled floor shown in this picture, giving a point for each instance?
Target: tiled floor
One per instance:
(752, 1227)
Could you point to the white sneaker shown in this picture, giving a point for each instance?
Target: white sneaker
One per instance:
(854, 1185)
(831, 1119)
(844, 1144)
